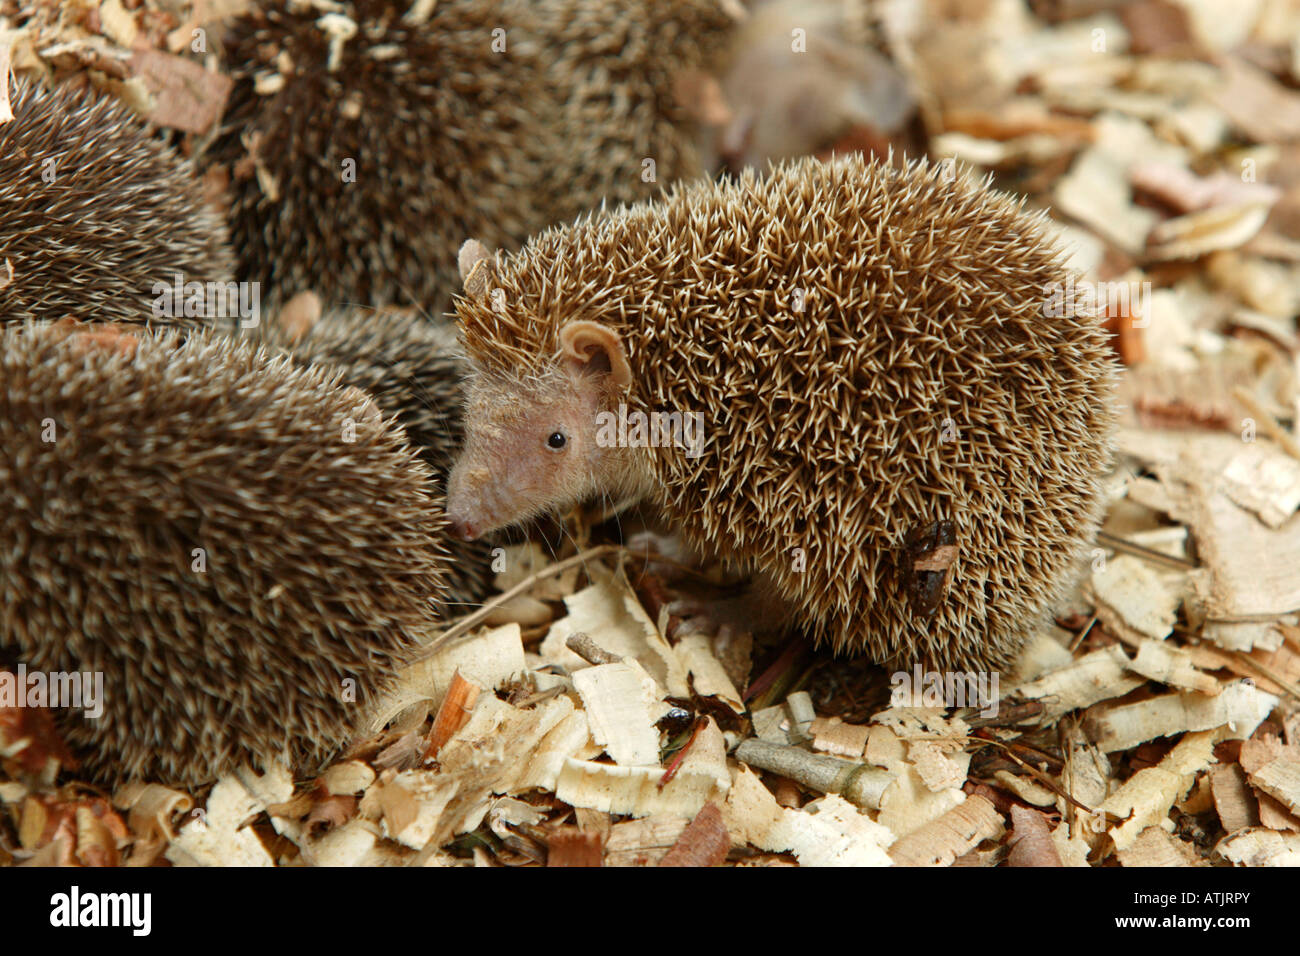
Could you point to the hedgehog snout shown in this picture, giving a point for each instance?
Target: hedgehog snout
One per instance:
(468, 515)
(462, 528)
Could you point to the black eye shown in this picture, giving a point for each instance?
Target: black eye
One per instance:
(556, 441)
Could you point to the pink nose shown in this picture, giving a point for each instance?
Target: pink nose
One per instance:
(462, 528)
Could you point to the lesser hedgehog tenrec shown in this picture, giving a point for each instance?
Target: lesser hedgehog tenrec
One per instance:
(867, 350)
(365, 143)
(409, 365)
(245, 550)
(95, 212)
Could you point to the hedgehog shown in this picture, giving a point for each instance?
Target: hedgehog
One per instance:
(408, 364)
(244, 549)
(840, 378)
(98, 218)
(363, 144)
(619, 96)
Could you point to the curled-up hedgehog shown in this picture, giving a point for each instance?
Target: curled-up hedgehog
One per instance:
(410, 366)
(98, 218)
(364, 143)
(841, 377)
(244, 549)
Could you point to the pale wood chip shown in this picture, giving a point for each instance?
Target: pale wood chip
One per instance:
(1155, 847)
(622, 703)
(1026, 789)
(1173, 666)
(958, 831)
(831, 735)
(1240, 706)
(1280, 778)
(1259, 847)
(1138, 593)
(643, 842)
(1145, 799)
(1232, 798)
(609, 612)
(708, 677)
(1096, 676)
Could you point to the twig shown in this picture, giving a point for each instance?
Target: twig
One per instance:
(1074, 644)
(467, 623)
(859, 783)
(1143, 552)
(589, 650)
(1045, 779)
(1267, 423)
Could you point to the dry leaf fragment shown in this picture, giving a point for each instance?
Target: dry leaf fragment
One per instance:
(1031, 839)
(183, 94)
(569, 846)
(704, 842)
(1257, 105)
(1184, 190)
(333, 810)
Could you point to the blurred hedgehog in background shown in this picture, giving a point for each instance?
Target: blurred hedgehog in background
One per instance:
(621, 72)
(365, 144)
(358, 140)
(95, 213)
(246, 550)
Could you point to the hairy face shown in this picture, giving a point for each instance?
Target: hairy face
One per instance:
(530, 447)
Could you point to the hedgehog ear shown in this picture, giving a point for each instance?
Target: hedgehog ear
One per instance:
(477, 271)
(592, 348)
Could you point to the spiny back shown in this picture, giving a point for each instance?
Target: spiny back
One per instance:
(869, 352)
